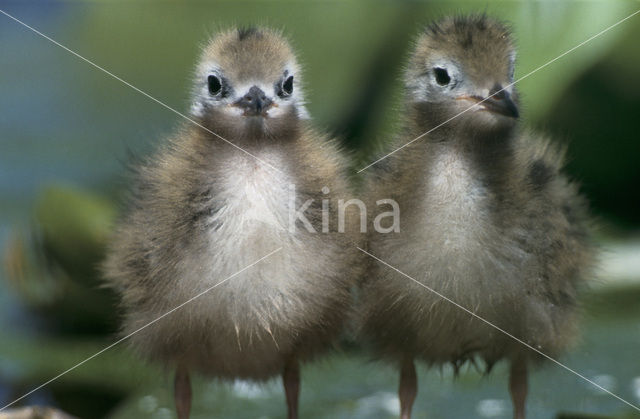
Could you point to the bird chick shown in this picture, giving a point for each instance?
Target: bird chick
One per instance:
(487, 220)
(203, 212)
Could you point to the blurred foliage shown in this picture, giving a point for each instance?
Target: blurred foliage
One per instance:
(597, 114)
(352, 52)
(55, 271)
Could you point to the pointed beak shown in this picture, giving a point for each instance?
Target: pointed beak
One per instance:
(499, 101)
(254, 102)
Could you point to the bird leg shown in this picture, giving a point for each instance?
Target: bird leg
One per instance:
(291, 382)
(518, 386)
(182, 393)
(408, 387)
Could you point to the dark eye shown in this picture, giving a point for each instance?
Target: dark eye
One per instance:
(215, 86)
(287, 87)
(442, 76)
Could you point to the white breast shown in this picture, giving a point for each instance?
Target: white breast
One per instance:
(248, 223)
(253, 197)
(253, 212)
(453, 211)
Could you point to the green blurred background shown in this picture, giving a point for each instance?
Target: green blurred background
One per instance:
(68, 129)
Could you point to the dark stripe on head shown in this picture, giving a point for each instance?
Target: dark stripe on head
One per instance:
(248, 31)
(463, 26)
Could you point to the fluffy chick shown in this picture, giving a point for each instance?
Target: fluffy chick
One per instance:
(202, 211)
(487, 219)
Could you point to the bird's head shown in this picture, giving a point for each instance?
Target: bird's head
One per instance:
(247, 84)
(457, 63)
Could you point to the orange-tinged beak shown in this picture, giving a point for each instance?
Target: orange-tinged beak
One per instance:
(499, 103)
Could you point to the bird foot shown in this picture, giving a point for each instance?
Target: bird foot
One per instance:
(408, 388)
(182, 393)
(291, 382)
(518, 387)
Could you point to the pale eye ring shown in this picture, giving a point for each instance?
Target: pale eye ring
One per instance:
(287, 87)
(441, 75)
(214, 84)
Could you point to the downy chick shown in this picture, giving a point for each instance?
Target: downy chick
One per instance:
(487, 219)
(203, 212)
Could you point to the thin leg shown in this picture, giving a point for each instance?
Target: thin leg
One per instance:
(518, 386)
(291, 382)
(182, 393)
(408, 388)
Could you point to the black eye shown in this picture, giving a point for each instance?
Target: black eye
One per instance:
(442, 76)
(214, 85)
(287, 87)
